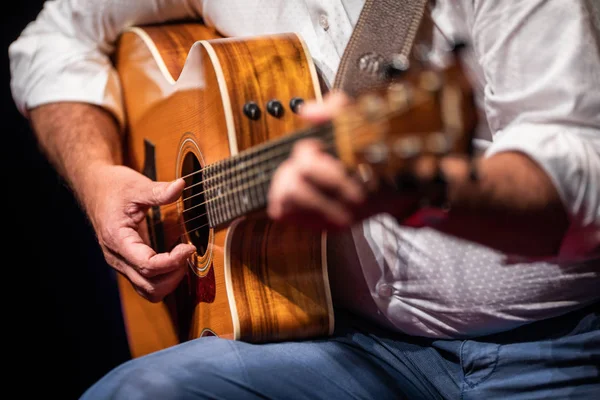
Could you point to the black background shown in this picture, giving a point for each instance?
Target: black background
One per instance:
(62, 324)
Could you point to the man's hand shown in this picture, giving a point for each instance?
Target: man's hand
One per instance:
(84, 145)
(513, 206)
(315, 190)
(118, 209)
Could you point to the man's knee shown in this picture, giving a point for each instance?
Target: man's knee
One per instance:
(137, 379)
(202, 368)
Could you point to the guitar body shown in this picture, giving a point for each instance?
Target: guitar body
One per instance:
(185, 88)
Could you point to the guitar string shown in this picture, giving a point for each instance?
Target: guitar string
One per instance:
(325, 128)
(182, 225)
(286, 140)
(243, 166)
(251, 184)
(329, 145)
(322, 128)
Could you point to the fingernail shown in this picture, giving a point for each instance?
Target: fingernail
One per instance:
(174, 183)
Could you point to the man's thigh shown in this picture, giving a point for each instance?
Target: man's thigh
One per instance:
(557, 358)
(350, 366)
(554, 359)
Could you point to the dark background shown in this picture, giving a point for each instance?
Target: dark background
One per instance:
(61, 307)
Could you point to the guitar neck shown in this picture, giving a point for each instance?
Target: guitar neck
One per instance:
(238, 186)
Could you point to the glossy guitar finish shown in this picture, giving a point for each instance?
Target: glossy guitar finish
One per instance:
(220, 112)
(251, 279)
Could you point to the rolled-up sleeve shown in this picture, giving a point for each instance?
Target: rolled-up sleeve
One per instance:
(64, 54)
(542, 98)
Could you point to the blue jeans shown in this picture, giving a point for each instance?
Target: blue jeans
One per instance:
(552, 359)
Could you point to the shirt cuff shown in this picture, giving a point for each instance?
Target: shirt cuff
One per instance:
(571, 159)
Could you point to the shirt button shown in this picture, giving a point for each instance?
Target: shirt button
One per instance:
(324, 22)
(385, 290)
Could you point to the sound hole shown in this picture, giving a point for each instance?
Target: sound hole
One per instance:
(194, 214)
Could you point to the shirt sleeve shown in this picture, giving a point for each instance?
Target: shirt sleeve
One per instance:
(64, 54)
(541, 61)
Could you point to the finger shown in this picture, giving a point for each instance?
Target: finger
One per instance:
(155, 289)
(145, 259)
(321, 112)
(326, 172)
(144, 232)
(293, 196)
(160, 193)
(425, 168)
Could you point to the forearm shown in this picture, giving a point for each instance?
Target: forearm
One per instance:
(76, 138)
(513, 206)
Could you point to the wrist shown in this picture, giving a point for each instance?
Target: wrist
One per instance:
(89, 181)
(438, 195)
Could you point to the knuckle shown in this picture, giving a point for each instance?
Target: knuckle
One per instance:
(131, 210)
(156, 192)
(288, 178)
(146, 271)
(159, 192)
(305, 165)
(288, 192)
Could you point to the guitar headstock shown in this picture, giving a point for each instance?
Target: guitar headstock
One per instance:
(425, 113)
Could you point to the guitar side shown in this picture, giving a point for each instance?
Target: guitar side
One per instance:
(252, 280)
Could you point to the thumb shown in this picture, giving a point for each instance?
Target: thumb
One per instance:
(160, 193)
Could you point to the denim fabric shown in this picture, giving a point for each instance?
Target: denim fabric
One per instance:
(557, 358)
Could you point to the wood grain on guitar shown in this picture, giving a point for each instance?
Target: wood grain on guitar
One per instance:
(221, 112)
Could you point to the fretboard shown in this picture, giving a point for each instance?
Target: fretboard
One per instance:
(239, 185)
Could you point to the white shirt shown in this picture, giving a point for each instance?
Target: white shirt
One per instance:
(536, 68)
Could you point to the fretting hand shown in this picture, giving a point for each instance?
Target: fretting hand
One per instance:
(316, 190)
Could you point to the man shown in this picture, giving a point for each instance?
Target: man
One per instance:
(444, 315)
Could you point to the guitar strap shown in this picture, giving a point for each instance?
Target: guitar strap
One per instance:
(386, 29)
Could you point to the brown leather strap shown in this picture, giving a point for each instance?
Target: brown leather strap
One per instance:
(385, 28)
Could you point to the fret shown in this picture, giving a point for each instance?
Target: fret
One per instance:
(230, 202)
(240, 184)
(207, 195)
(227, 186)
(244, 196)
(252, 193)
(224, 204)
(235, 179)
(247, 194)
(219, 197)
(213, 193)
(209, 207)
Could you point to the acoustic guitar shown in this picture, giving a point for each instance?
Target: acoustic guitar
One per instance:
(223, 114)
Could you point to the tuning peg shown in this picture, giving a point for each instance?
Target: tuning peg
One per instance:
(399, 96)
(430, 81)
(372, 106)
(376, 153)
(407, 147)
(397, 67)
(438, 143)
